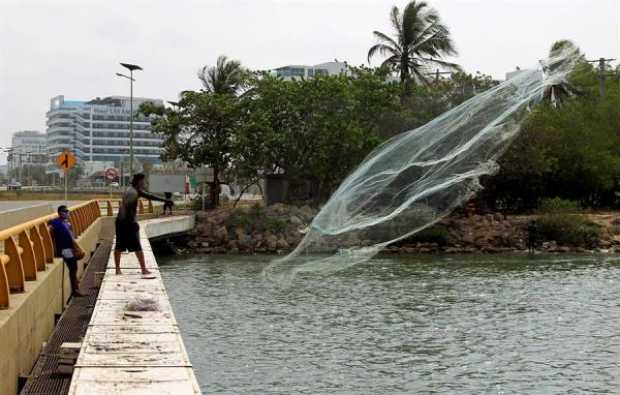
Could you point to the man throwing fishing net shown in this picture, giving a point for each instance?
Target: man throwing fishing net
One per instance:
(127, 228)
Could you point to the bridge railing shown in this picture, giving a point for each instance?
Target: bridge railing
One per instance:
(29, 247)
(110, 207)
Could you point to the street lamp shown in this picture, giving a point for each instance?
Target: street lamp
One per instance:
(131, 68)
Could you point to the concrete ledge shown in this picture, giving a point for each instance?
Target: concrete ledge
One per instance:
(135, 352)
(29, 320)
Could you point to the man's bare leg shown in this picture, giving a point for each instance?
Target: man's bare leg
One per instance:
(117, 261)
(140, 256)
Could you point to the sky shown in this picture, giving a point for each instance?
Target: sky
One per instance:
(73, 47)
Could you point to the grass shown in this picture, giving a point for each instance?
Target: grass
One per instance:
(565, 229)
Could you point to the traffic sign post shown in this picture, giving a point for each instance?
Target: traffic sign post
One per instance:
(66, 161)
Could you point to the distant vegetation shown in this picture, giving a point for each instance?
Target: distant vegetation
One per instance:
(246, 125)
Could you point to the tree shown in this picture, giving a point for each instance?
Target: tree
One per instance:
(421, 41)
(314, 130)
(226, 77)
(199, 129)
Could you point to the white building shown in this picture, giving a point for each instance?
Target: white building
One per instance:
(98, 130)
(28, 147)
(302, 71)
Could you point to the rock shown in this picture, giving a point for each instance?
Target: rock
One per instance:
(201, 216)
(271, 242)
(306, 212)
(221, 234)
(245, 242)
(240, 232)
(295, 221)
(204, 244)
(281, 244)
(232, 244)
(498, 217)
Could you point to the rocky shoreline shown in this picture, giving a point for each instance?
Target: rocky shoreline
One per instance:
(277, 229)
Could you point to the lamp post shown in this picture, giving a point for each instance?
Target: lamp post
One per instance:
(131, 68)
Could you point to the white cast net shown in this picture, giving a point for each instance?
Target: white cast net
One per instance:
(418, 177)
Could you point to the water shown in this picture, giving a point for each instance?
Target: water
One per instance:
(446, 325)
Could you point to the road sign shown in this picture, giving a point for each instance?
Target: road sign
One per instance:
(66, 160)
(111, 174)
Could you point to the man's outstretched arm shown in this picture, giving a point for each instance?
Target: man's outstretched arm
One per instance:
(150, 196)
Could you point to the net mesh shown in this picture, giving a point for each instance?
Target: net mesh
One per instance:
(418, 177)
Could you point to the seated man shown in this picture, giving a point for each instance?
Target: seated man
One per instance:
(64, 245)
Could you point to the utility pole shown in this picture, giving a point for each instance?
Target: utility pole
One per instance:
(131, 68)
(602, 73)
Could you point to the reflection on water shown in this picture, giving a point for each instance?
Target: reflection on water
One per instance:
(462, 325)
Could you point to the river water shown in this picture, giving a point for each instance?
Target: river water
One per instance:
(403, 325)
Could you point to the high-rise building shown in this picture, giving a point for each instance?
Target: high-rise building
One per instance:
(28, 147)
(98, 130)
(300, 71)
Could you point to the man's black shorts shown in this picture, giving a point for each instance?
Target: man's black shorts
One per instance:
(127, 236)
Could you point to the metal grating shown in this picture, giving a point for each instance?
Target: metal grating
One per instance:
(71, 327)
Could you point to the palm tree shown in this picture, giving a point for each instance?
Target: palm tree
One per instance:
(226, 77)
(420, 42)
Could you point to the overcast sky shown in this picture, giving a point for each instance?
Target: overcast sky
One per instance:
(72, 47)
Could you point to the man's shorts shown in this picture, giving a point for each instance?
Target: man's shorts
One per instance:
(127, 236)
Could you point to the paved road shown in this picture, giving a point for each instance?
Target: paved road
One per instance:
(11, 205)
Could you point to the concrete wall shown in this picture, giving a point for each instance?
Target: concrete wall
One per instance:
(30, 319)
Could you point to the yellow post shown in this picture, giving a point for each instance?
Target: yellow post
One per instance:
(150, 203)
(110, 210)
(75, 223)
(28, 262)
(4, 283)
(37, 248)
(140, 207)
(97, 209)
(48, 245)
(15, 268)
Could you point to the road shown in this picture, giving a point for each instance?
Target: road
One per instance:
(12, 205)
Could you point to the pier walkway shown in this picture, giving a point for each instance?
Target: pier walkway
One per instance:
(127, 350)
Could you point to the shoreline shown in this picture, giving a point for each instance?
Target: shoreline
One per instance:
(275, 230)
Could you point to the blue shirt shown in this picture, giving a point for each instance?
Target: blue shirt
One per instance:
(63, 237)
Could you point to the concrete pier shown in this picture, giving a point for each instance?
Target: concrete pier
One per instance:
(135, 352)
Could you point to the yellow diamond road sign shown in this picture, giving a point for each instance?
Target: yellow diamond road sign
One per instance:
(66, 160)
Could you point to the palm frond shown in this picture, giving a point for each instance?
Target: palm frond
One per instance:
(382, 49)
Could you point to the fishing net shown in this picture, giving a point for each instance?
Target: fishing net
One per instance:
(418, 177)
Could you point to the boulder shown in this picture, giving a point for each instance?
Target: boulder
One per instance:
(295, 220)
(281, 244)
(271, 242)
(221, 234)
(307, 212)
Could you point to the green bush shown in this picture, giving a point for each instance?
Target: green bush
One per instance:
(256, 220)
(558, 205)
(566, 229)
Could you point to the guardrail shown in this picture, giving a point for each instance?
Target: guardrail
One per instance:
(29, 247)
(112, 204)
